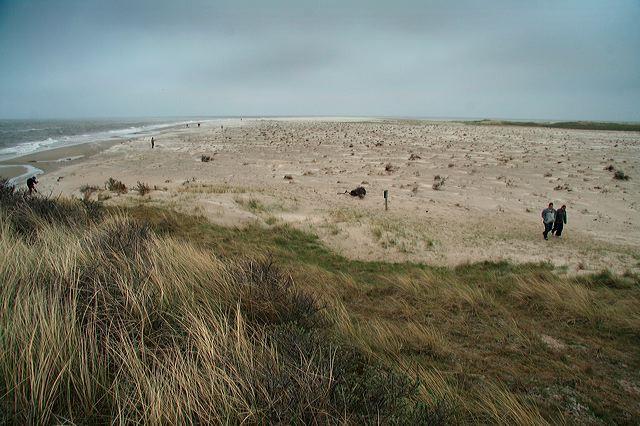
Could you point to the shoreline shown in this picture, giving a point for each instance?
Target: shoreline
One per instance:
(18, 169)
(48, 161)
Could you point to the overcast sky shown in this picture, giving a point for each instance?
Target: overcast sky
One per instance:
(502, 59)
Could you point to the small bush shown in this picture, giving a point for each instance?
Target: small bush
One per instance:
(438, 182)
(619, 175)
(206, 158)
(116, 186)
(389, 168)
(142, 188)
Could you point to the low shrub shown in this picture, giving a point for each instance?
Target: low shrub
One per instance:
(116, 186)
(142, 189)
(438, 182)
(619, 175)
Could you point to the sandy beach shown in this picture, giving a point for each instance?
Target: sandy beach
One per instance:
(497, 179)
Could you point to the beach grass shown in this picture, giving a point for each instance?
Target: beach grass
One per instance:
(142, 314)
(223, 188)
(577, 125)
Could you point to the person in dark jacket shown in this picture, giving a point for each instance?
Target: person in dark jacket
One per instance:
(31, 184)
(560, 221)
(548, 217)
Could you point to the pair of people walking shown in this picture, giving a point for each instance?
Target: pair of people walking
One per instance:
(554, 220)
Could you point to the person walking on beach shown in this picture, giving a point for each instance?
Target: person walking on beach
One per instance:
(153, 142)
(560, 221)
(548, 217)
(31, 184)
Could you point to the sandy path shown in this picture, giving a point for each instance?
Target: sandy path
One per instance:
(498, 179)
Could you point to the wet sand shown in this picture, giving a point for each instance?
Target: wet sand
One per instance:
(20, 168)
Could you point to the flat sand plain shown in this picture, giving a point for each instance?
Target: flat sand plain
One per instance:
(497, 181)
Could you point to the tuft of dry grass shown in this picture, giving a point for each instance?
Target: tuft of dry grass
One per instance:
(115, 185)
(438, 182)
(222, 188)
(88, 190)
(142, 189)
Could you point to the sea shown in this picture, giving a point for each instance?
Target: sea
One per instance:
(23, 137)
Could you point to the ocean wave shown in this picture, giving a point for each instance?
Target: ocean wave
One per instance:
(30, 147)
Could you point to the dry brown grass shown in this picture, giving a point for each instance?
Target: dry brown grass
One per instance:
(223, 188)
(104, 321)
(146, 315)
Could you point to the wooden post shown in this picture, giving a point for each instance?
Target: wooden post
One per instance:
(386, 199)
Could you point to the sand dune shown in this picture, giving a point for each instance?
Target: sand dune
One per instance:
(497, 179)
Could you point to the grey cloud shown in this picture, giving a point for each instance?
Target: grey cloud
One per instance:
(537, 59)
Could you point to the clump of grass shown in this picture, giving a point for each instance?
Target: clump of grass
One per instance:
(142, 188)
(617, 173)
(252, 204)
(405, 237)
(620, 175)
(343, 215)
(28, 216)
(438, 182)
(390, 168)
(116, 186)
(271, 220)
(222, 188)
(206, 158)
(88, 190)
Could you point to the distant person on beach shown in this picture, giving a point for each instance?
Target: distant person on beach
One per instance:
(153, 142)
(31, 184)
(548, 217)
(198, 124)
(560, 221)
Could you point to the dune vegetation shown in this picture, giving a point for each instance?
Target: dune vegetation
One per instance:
(140, 314)
(575, 125)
